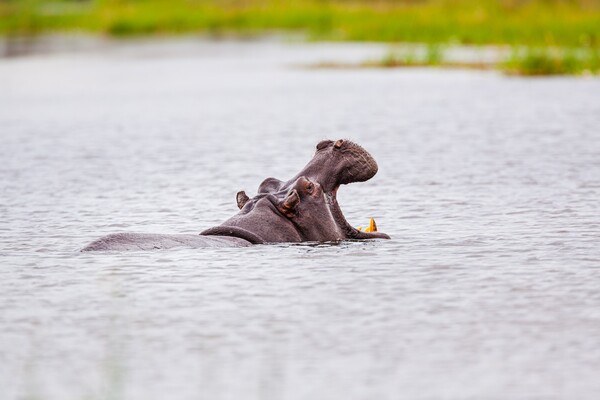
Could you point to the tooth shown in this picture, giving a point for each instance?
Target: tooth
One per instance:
(372, 226)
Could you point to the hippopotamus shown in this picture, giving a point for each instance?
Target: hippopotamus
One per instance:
(302, 209)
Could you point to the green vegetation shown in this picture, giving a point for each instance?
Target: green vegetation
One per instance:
(523, 61)
(433, 56)
(535, 26)
(517, 22)
(551, 61)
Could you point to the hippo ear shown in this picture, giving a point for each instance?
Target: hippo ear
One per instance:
(242, 198)
(270, 185)
(288, 205)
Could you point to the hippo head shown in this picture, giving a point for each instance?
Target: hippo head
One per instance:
(305, 208)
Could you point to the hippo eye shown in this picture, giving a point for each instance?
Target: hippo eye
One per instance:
(310, 187)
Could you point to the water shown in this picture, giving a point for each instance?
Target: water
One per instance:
(489, 186)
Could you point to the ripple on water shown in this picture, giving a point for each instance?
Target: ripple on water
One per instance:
(488, 186)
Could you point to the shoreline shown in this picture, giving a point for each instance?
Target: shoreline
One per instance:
(522, 60)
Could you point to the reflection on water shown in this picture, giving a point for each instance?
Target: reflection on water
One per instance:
(488, 185)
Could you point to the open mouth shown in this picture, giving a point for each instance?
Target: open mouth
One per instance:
(340, 163)
(369, 232)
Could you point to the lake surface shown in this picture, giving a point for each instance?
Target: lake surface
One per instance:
(489, 186)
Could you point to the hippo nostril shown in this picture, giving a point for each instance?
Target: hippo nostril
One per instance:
(338, 143)
(323, 144)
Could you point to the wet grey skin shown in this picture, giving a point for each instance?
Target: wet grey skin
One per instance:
(302, 209)
(334, 164)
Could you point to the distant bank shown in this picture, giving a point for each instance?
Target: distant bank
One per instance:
(548, 36)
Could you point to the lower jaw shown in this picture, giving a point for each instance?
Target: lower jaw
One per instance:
(347, 229)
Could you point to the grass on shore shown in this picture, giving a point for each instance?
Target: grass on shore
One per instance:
(544, 61)
(569, 23)
(522, 61)
(550, 36)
